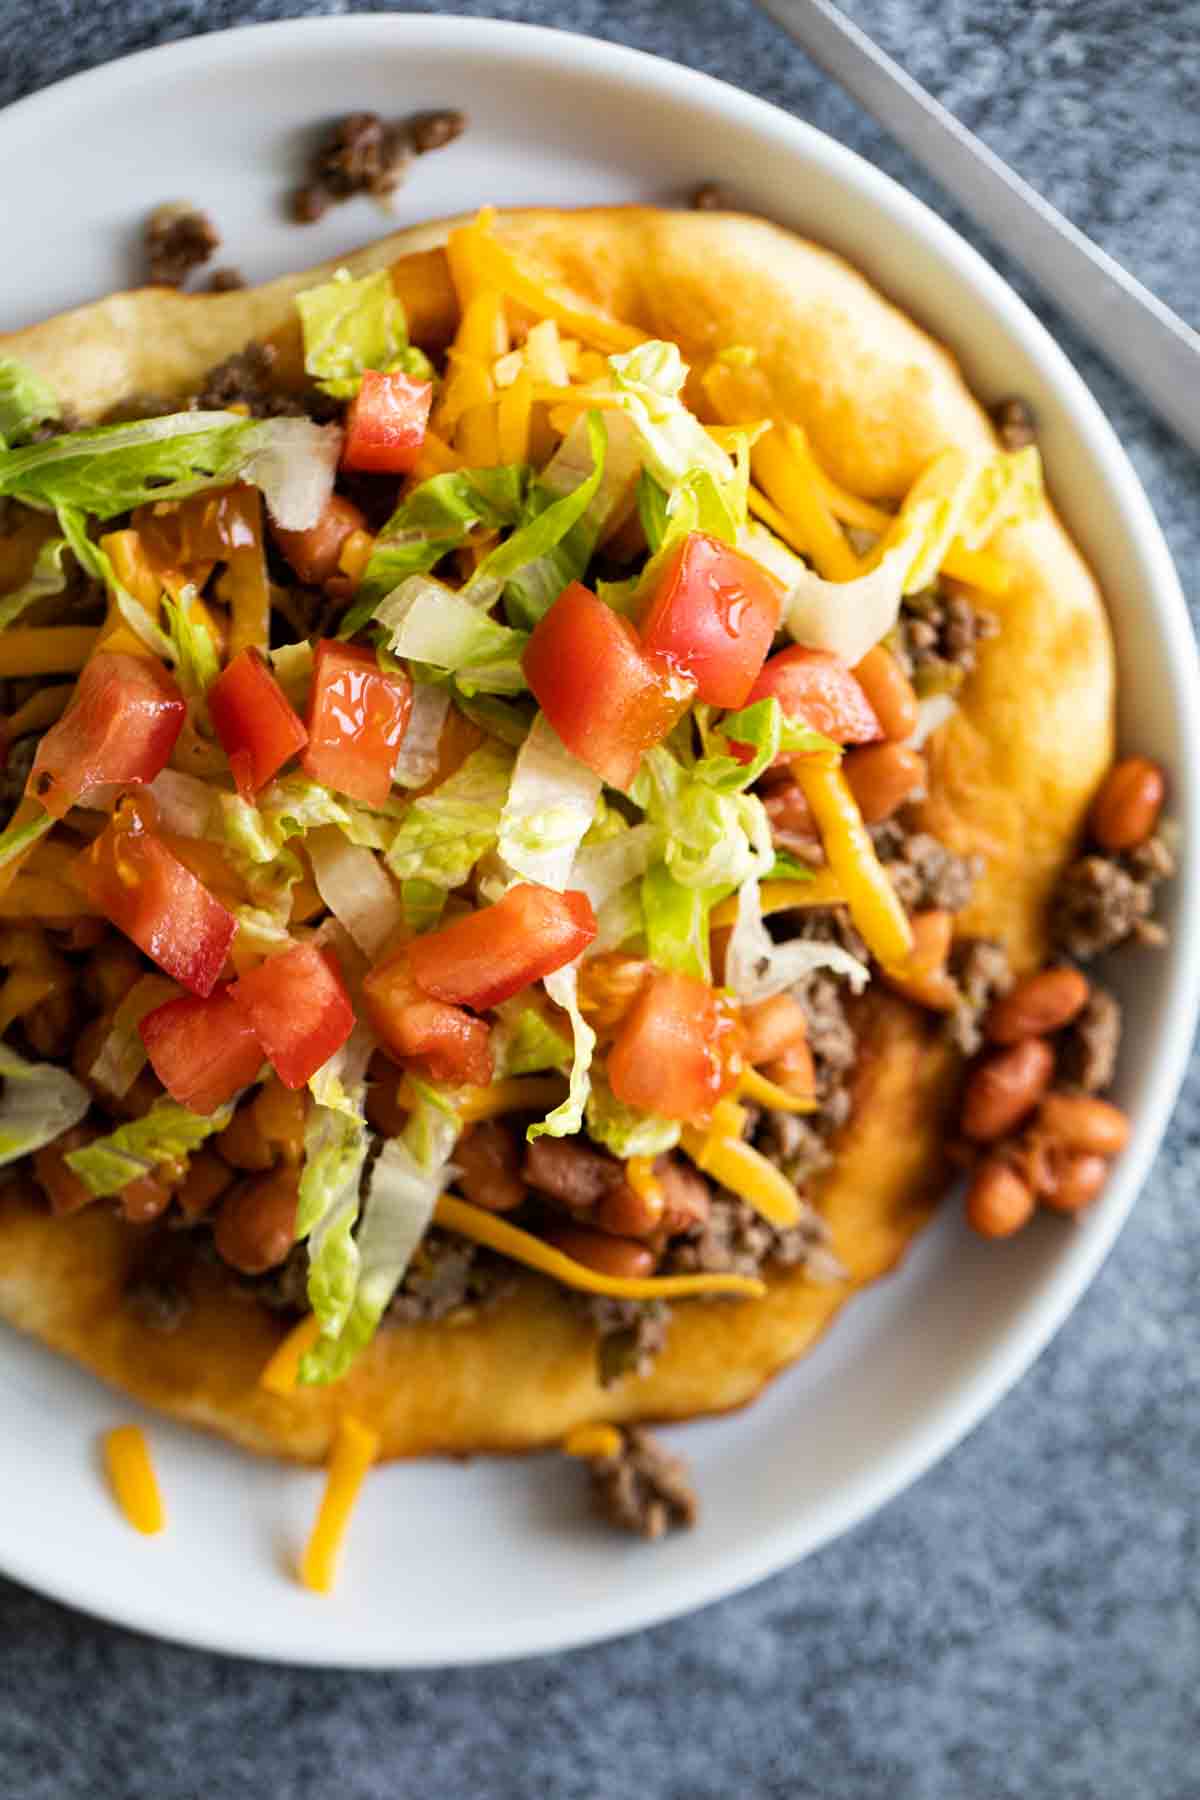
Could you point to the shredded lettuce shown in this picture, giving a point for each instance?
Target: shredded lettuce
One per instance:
(623, 1129)
(764, 730)
(38, 1104)
(335, 1151)
(166, 1133)
(47, 578)
(122, 1056)
(445, 832)
(195, 655)
(295, 804)
(756, 967)
(551, 803)
(567, 1117)
(649, 381)
(437, 517)
(847, 617)
(354, 886)
(676, 923)
(525, 1040)
(350, 326)
(108, 469)
(418, 759)
(16, 838)
(430, 623)
(564, 515)
(711, 837)
(26, 401)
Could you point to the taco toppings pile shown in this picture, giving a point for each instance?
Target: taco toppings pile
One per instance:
(558, 796)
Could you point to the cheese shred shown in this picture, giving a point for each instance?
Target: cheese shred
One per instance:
(354, 1450)
(132, 1478)
(280, 1373)
(746, 1173)
(593, 1443)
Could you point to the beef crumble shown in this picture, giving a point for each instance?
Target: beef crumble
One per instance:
(448, 1274)
(178, 239)
(643, 1487)
(364, 155)
(250, 378)
(921, 869)
(936, 639)
(1015, 423)
(1103, 901)
(1087, 1055)
(629, 1333)
(982, 971)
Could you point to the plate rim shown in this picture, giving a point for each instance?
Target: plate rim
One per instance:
(1060, 1288)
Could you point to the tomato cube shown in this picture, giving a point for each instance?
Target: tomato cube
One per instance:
(489, 955)
(677, 1050)
(607, 699)
(314, 553)
(357, 718)
(818, 688)
(120, 728)
(299, 1010)
(713, 616)
(386, 421)
(133, 879)
(447, 1042)
(203, 1051)
(251, 715)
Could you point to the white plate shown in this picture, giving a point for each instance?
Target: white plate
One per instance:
(460, 1564)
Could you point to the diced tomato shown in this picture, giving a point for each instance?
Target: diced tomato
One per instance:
(257, 727)
(488, 956)
(385, 424)
(299, 1010)
(132, 878)
(607, 699)
(357, 717)
(314, 553)
(678, 1049)
(203, 1051)
(120, 728)
(446, 1041)
(817, 687)
(713, 616)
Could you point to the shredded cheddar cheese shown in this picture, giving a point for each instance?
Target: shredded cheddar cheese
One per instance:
(134, 1483)
(592, 1442)
(870, 896)
(282, 1370)
(497, 1234)
(519, 1093)
(745, 1172)
(754, 1086)
(779, 896)
(46, 649)
(354, 1450)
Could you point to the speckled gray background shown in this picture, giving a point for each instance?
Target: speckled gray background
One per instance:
(1024, 1621)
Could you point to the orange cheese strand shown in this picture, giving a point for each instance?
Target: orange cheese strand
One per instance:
(280, 1373)
(746, 1172)
(354, 1450)
(870, 896)
(755, 1087)
(530, 287)
(134, 1483)
(482, 1227)
(592, 1442)
(824, 889)
(46, 649)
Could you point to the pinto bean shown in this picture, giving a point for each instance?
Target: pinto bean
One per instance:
(616, 1256)
(144, 1200)
(999, 1202)
(61, 1186)
(256, 1224)
(892, 695)
(490, 1165)
(1084, 1123)
(242, 1143)
(206, 1180)
(1125, 811)
(1042, 1002)
(1074, 1183)
(1006, 1087)
(882, 777)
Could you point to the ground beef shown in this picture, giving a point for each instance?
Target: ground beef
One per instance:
(363, 155)
(1088, 1050)
(629, 1333)
(177, 240)
(735, 1239)
(936, 638)
(643, 1488)
(795, 1145)
(982, 971)
(1103, 901)
(922, 871)
(248, 379)
(711, 196)
(1015, 423)
(819, 925)
(830, 1034)
(283, 1288)
(140, 406)
(445, 1274)
(225, 281)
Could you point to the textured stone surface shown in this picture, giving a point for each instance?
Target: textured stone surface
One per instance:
(1023, 1621)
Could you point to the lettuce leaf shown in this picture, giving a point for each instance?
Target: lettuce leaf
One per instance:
(445, 832)
(353, 885)
(756, 967)
(335, 1151)
(429, 623)
(16, 838)
(623, 1129)
(649, 382)
(349, 326)
(712, 837)
(525, 1041)
(411, 1172)
(122, 1056)
(551, 803)
(107, 469)
(437, 517)
(38, 1104)
(195, 655)
(676, 923)
(564, 516)
(26, 401)
(47, 578)
(164, 1134)
(567, 1117)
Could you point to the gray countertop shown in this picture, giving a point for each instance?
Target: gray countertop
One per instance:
(1024, 1620)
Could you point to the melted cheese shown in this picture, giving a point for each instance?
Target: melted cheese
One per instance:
(354, 1450)
(134, 1483)
(755, 1087)
(280, 1374)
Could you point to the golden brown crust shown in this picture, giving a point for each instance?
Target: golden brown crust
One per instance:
(1010, 777)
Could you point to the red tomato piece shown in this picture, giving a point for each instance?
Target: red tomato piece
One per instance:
(257, 727)
(713, 616)
(314, 553)
(357, 718)
(678, 1049)
(385, 423)
(133, 879)
(817, 687)
(447, 1042)
(298, 1009)
(203, 1051)
(120, 728)
(485, 958)
(606, 698)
